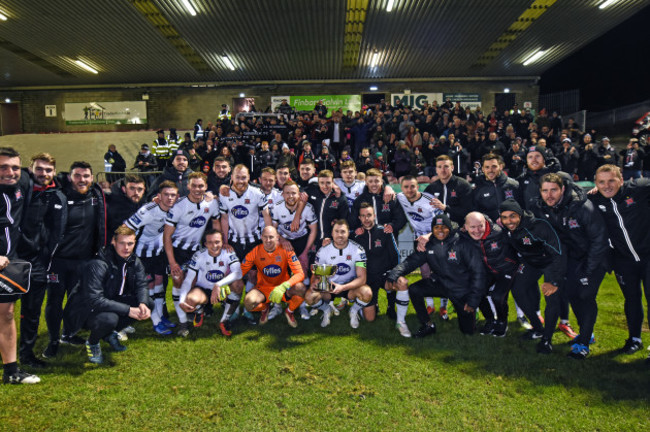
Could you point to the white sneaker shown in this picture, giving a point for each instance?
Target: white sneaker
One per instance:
(128, 329)
(304, 313)
(354, 319)
(276, 311)
(335, 311)
(327, 315)
(122, 336)
(403, 329)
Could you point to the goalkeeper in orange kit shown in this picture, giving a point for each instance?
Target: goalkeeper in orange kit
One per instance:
(279, 277)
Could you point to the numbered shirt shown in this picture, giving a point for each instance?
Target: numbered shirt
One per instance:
(284, 217)
(190, 220)
(243, 214)
(210, 270)
(346, 260)
(148, 223)
(351, 192)
(419, 213)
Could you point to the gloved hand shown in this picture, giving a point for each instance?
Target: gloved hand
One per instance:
(278, 292)
(223, 292)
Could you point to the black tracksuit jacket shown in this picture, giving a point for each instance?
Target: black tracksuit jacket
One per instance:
(489, 195)
(386, 213)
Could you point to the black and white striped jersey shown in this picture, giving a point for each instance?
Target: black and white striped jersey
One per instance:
(284, 217)
(350, 192)
(243, 214)
(419, 213)
(148, 223)
(190, 220)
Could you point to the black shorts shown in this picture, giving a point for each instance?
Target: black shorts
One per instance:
(375, 282)
(183, 257)
(156, 265)
(299, 244)
(242, 249)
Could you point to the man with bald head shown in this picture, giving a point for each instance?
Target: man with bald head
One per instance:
(274, 282)
(500, 262)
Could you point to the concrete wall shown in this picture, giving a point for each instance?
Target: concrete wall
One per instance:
(179, 107)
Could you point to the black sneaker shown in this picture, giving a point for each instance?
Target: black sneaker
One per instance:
(32, 362)
(500, 329)
(114, 342)
(425, 330)
(390, 313)
(631, 346)
(544, 346)
(72, 340)
(183, 330)
(51, 350)
(488, 328)
(20, 377)
(532, 335)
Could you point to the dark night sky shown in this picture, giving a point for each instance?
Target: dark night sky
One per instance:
(611, 71)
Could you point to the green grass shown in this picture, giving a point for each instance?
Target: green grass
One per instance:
(277, 378)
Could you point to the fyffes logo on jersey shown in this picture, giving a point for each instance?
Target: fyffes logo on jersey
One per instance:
(272, 270)
(197, 222)
(240, 212)
(161, 229)
(214, 275)
(287, 226)
(416, 217)
(343, 269)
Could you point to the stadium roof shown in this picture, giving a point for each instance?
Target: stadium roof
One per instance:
(160, 41)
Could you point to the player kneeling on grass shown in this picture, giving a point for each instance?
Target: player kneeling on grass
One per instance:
(348, 282)
(457, 273)
(274, 283)
(213, 275)
(111, 295)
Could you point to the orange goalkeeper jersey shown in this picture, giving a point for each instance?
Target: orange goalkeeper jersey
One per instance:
(273, 268)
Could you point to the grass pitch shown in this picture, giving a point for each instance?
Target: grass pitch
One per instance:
(277, 378)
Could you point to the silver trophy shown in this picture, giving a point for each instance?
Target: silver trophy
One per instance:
(325, 271)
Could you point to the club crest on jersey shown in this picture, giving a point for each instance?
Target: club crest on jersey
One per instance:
(453, 194)
(221, 263)
(270, 201)
(377, 243)
(629, 201)
(197, 222)
(247, 201)
(349, 257)
(335, 204)
(343, 269)
(240, 212)
(526, 241)
(494, 246)
(19, 194)
(53, 278)
(385, 207)
(508, 194)
(573, 223)
(272, 270)
(205, 210)
(214, 275)
(451, 256)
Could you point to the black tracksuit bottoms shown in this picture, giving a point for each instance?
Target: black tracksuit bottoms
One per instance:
(526, 292)
(630, 274)
(429, 288)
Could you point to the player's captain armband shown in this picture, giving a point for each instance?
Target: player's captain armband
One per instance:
(360, 264)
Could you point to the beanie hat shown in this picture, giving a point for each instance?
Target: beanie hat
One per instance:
(441, 219)
(511, 205)
(181, 152)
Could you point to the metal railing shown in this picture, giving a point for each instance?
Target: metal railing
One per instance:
(148, 176)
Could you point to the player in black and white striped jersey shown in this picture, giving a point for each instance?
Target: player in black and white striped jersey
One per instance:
(149, 223)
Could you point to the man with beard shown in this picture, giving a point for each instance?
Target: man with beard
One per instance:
(457, 273)
(126, 197)
(584, 238)
(540, 253)
(219, 175)
(84, 234)
(41, 229)
(452, 194)
(493, 187)
(178, 172)
(14, 188)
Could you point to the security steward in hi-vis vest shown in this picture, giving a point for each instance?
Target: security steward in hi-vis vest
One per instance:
(161, 150)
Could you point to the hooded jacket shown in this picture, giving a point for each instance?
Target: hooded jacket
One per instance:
(170, 173)
(538, 245)
(489, 195)
(106, 282)
(580, 226)
(495, 249)
(119, 207)
(456, 194)
(455, 263)
(391, 213)
(44, 220)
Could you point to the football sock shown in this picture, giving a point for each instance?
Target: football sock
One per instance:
(176, 296)
(231, 303)
(402, 301)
